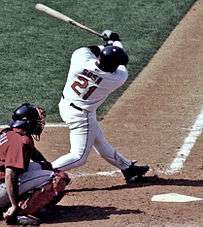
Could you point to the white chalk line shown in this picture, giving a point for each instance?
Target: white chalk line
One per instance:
(184, 151)
(113, 173)
(48, 125)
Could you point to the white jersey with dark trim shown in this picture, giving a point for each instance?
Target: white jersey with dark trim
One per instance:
(85, 90)
(87, 86)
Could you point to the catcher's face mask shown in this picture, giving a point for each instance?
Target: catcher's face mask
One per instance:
(40, 122)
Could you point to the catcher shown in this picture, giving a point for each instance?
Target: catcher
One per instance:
(24, 183)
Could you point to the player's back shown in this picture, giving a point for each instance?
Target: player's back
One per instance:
(88, 86)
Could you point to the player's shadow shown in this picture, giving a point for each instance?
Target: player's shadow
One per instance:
(144, 182)
(61, 214)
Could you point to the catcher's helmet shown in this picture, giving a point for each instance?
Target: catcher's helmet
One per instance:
(29, 117)
(111, 57)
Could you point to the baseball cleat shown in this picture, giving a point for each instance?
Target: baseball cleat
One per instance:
(23, 220)
(27, 220)
(133, 172)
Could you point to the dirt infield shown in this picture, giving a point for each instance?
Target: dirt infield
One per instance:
(148, 123)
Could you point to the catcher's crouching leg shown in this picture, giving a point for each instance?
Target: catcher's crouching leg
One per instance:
(50, 193)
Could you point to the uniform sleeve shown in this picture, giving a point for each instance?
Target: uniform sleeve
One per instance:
(14, 157)
(123, 71)
(78, 59)
(18, 155)
(81, 55)
(122, 75)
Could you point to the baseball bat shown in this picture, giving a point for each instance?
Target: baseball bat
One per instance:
(53, 13)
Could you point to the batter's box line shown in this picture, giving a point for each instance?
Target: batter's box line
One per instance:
(113, 173)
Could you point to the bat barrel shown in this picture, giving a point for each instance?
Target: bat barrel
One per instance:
(53, 13)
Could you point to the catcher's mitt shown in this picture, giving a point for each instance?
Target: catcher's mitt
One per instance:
(51, 193)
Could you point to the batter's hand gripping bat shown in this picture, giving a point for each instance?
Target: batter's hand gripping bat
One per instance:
(53, 13)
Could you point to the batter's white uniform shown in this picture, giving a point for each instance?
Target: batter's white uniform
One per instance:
(86, 89)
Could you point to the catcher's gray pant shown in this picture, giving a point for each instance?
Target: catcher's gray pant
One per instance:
(85, 133)
(33, 178)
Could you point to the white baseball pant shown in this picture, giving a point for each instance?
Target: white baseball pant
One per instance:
(85, 133)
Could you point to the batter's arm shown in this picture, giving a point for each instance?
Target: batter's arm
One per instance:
(95, 50)
(79, 58)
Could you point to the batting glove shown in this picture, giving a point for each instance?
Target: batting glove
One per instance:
(108, 35)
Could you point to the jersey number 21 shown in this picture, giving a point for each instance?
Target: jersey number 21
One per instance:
(83, 83)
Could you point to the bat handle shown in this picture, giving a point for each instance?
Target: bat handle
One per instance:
(75, 23)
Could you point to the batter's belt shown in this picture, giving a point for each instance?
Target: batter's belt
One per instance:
(73, 105)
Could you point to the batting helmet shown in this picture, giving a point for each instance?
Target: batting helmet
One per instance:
(29, 117)
(111, 57)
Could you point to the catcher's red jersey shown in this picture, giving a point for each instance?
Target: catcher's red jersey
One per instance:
(15, 151)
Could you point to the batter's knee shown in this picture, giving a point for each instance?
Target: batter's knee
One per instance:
(80, 160)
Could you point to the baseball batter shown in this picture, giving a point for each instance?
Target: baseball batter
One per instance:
(95, 72)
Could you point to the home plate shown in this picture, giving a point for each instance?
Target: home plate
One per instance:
(174, 198)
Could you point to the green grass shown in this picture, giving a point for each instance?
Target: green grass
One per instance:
(35, 49)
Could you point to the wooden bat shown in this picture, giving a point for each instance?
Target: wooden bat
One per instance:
(53, 13)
